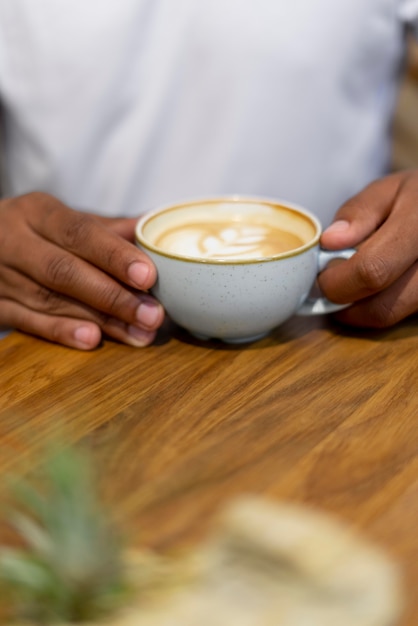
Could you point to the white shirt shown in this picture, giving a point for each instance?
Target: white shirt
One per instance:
(121, 105)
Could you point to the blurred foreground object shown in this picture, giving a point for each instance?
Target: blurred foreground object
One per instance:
(68, 566)
(263, 564)
(288, 565)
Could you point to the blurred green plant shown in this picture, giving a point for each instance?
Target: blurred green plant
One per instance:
(68, 565)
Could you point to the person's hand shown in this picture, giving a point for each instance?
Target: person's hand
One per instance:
(381, 279)
(69, 276)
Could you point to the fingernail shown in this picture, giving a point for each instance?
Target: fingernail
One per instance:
(148, 313)
(85, 336)
(138, 273)
(139, 338)
(338, 226)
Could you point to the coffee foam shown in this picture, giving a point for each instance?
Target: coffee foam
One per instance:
(228, 230)
(227, 240)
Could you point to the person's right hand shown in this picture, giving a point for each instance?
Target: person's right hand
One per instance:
(69, 276)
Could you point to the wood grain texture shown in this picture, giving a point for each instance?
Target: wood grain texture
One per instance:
(314, 413)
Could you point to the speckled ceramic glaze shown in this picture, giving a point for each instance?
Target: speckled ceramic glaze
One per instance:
(238, 300)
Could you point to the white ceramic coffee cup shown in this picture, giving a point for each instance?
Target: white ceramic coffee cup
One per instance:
(236, 299)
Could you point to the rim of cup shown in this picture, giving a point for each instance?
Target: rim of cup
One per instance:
(281, 204)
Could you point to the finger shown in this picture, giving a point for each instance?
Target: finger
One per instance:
(73, 333)
(22, 289)
(63, 273)
(87, 237)
(388, 307)
(358, 218)
(383, 258)
(82, 335)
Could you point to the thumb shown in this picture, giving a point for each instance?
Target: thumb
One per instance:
(362, 215)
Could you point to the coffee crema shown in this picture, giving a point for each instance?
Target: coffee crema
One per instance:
(226, 240)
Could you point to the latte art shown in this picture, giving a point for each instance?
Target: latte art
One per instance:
(227, 240)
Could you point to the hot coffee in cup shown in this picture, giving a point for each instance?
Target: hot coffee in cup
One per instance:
(234, 268)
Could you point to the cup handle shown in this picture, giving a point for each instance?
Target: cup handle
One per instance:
(320, 306)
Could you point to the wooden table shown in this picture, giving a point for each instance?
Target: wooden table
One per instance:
(314, 413)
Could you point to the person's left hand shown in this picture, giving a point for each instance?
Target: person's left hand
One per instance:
(381, 279)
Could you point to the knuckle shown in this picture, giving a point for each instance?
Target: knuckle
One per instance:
(60, 271)
(31, 202)
(373, 272)
(48, 300)
(112, 300)
(76, 231)
(113, 256)
(40, 197)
